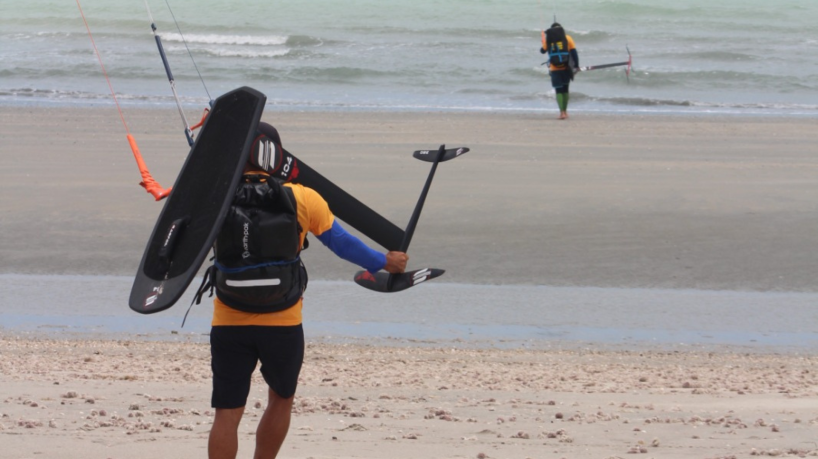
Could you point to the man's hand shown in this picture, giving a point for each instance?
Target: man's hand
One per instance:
(396, 262)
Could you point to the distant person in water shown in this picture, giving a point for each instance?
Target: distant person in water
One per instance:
(563, 62)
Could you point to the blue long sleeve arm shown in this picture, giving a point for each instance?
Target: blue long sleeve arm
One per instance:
(352, 249)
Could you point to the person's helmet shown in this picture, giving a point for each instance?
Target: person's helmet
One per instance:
(268, 155)
(266, 148)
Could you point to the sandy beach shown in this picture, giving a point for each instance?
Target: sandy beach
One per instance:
(618, 201)
(128, 399)
(627, 201)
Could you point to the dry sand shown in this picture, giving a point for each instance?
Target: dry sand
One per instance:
(611, 201)
(129, 399)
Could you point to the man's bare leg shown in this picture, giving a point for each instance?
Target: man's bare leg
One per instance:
(273, 427)
(223, 442)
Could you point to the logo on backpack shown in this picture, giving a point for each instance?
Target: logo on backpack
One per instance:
(245, 240)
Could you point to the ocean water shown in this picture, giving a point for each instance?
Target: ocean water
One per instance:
(697, 56)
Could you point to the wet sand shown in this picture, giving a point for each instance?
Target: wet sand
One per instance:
(609, 201)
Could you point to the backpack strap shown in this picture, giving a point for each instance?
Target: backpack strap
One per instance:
(207, 283)
(291, 196)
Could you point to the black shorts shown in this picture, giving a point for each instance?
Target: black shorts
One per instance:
(235, 351)
(560, 79)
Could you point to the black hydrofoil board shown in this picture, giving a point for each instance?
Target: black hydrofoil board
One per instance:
(195, 210)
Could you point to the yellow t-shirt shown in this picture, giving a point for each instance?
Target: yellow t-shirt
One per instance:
(314, 216)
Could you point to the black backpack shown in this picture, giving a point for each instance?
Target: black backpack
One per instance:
(557, 46)
(257, 265)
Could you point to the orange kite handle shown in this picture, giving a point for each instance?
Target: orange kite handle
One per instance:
(204, 117)
(150, 185)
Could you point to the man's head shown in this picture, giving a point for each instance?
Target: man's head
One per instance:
(266, 149)
(268, 155)
(555, 33)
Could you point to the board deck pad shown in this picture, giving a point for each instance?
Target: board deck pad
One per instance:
(193, 213)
